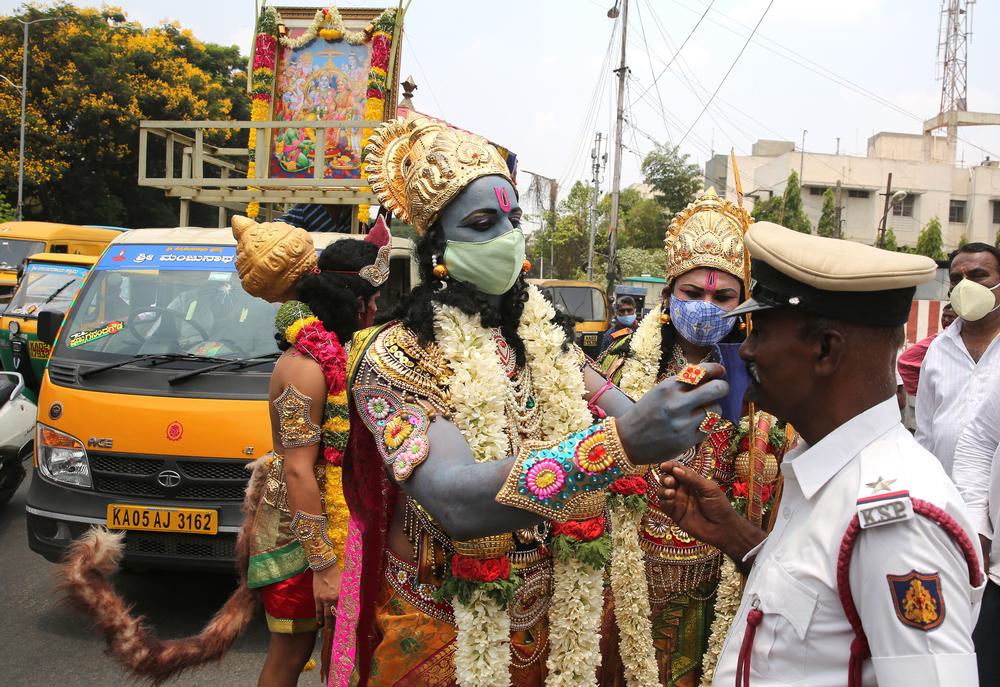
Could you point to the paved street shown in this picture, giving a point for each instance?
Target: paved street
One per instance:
(44, 644)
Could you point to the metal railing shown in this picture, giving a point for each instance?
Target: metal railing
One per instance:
(217, 175)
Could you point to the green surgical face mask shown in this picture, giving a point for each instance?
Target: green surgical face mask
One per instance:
(491, 266)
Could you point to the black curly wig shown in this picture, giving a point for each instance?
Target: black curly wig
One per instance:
(332, 295)
(416, 310)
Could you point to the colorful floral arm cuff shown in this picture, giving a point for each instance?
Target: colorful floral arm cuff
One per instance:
(295, 425)
(310, 530)
(567, 480)
(399, 428)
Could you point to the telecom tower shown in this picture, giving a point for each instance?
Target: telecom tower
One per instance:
(953, 49)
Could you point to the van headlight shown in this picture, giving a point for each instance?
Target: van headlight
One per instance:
(62, 458)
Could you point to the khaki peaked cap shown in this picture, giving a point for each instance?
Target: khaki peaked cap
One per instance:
(831, 277)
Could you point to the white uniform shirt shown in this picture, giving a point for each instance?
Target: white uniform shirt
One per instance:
(977, 470)
(804, 637)
(951, 387)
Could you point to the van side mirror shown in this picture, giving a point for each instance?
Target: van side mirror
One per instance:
(49, 322)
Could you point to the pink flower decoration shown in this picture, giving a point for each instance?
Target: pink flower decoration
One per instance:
(545, 478)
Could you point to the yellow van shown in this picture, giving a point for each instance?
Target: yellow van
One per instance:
(18, 240)
(155, 399)
(584, 300)
(50, 282)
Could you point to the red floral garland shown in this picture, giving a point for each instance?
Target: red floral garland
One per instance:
(324, 347)
(480, 570)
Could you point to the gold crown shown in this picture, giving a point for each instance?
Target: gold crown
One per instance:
(271, 257)
(707, 233)
(417, 165)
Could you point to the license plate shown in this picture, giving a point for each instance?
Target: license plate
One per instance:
(188, 520)
(590, 339)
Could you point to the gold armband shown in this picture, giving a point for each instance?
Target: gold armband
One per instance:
(310, 530)
(567, 480)
(295, 425)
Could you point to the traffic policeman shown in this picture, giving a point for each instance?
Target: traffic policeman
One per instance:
(870, 575)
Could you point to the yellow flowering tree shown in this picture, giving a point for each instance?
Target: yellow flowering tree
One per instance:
(91, 78)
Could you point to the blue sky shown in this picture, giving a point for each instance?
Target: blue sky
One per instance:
(524, 72)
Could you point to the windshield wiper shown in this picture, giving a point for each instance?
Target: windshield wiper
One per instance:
(58, 291)
(158, 358)
(241, 364)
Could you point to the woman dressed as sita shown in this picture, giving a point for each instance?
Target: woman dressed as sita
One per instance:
(704, 280)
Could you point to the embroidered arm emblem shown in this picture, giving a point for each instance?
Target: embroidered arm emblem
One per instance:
(917, 599)
(399, 428)
(295, 425)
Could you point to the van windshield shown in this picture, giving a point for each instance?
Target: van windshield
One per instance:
(44, 286)
(168, 301)
(14, 251)
(584, 302)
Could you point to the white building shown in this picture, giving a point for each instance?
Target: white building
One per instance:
(965, 199)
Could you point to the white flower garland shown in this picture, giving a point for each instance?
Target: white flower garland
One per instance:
(574, 624)
(631, 595)
(641, 367)
(482, 651)
(727, 603)
(578, 594)
(477, 390)
(319, 23)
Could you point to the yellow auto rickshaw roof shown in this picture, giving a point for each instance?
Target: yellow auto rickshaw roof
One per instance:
(54, 231)
(198, 236)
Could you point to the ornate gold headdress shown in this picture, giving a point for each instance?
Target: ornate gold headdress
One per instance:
(707, 233)
(416, 166)
(271, 257)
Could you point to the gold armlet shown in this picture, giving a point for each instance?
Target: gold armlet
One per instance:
(295, 425)
(567, 480)
(310, 530)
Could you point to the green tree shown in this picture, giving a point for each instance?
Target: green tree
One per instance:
(996, 241)
(827, 225)
(675, 180)
(890, 240)
(634, 262)
(962, 240)
(7, 211)
(930, 242)
(767, 210)
(568, 242)
(92, 77)
(794, 214)
(642, 223)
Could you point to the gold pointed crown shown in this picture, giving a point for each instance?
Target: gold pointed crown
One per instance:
(417, 165)
(271, 257)
(707, 233)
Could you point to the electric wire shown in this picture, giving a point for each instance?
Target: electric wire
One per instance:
(677, 52)
(408, 43)
(729, 71)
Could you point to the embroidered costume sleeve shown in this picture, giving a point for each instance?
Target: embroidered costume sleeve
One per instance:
(398, 387)
(311, 531)
(567, 480)
(295, 425)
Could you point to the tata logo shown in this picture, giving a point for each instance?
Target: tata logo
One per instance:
(168, 478)
(95, 442)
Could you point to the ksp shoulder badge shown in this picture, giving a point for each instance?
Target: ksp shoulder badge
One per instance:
(917, 599)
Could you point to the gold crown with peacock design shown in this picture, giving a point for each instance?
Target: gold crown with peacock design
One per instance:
(417, 165)
(707, 233)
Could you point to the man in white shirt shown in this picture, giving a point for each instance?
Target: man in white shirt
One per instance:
(954, 373)
(872, 554)
(977, 476)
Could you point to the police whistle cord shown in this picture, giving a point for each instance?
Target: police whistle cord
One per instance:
(82, 578)
(860, 651)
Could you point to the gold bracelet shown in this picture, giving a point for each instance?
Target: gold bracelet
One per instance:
(310, 530)
(295, 426)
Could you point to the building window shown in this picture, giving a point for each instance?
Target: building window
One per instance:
(956, 211)
(904, 208)
(996, 212)
(816, 190)
(858, 193)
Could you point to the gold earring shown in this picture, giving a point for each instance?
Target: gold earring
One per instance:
(665, 318)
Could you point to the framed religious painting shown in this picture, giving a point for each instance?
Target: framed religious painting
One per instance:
(331, 65)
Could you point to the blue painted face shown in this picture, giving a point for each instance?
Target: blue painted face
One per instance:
(485, 209)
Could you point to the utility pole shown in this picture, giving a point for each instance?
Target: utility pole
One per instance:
(839, 208)
(597, 162)
(802, 155)
(616, 180)
(880, 242)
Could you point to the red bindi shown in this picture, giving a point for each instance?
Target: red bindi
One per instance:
(502, 197)
(711, 281)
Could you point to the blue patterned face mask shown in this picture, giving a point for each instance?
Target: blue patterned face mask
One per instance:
(700, 322)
